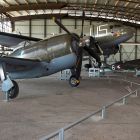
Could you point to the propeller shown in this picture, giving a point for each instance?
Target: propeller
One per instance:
(61, 25)
(65, 29)
(80, 49)
(82, 42)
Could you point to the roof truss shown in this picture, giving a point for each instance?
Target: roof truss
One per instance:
(127, 10)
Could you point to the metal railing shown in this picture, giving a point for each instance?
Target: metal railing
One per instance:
(59, 134)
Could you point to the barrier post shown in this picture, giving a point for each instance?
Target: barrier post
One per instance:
(124, 100)
(103, 112)
(61, 134)
(6, 96)
(136, 93)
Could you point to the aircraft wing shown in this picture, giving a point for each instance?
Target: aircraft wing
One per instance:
(18, 64)
(8, 39)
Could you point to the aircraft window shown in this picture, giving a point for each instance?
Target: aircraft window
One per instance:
(17, 52)
(27, 43)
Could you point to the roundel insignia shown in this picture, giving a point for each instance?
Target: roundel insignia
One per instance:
(117, 34)
(118, 67)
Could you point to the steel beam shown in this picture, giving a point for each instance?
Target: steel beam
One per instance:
(39, 16)
(77, 6)
(105, 20)
(33, 6)
(66, 16)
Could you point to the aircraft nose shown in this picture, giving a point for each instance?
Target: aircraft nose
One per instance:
(128, 31)
(123, 30)
(123, 34)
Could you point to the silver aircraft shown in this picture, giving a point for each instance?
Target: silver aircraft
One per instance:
(34, 58)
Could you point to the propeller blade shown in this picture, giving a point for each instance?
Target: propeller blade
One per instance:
(79, 62)
(83, 17)
(98, 46)
(61, 25)
(65, 29)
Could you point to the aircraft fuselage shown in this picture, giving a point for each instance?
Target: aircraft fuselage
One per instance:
(55, 54)
(46, 50)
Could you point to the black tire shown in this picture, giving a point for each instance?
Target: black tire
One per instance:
(14, 91)
(73, 81)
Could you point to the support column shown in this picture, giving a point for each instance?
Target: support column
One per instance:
(90, 22)
(30, 28)
(45, 28)
(13, 25)
(75, 24)
(2, 22)
(136, 47)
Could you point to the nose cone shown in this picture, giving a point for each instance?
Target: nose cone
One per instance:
(127, 31)
(123, 34)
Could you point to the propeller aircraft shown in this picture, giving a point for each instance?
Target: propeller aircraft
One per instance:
(34, 58)
(127, 65)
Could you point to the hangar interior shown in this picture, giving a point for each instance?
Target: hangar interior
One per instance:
(34, 18)
(37, 28)
(47, 104)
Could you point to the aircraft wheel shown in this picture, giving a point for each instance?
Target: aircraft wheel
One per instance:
(73, 81)
(14, 91)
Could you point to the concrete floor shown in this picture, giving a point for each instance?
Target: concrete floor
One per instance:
(47, 104)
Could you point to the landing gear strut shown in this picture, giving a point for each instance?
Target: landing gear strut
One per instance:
(14, 91)
(76, 71)
(9, 87)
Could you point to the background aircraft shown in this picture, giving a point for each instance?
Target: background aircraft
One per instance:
(127, 65)
(33, 58)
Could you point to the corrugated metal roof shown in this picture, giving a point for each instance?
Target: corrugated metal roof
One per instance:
(121, 10)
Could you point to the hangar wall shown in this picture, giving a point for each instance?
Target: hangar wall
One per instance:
(46, 27)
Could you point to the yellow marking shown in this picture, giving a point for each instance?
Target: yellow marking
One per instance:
(117, 34)
(77, 81)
